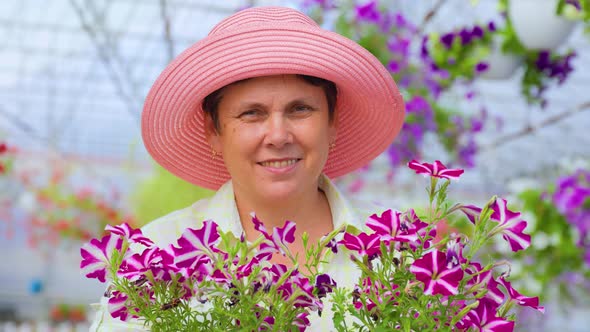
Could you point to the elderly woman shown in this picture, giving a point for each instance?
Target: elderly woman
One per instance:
(266, 110)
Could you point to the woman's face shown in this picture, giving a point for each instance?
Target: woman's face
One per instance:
(274, 135)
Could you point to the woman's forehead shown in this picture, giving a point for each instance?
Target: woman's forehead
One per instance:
(263, 88)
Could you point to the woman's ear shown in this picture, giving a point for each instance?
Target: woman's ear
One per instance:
(212, 134)
(333, 129)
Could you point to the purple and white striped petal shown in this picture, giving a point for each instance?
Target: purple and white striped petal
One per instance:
(364, 244)
(471, 211)
(132, 235)
(520, 299)
(432, 270)
(484, 319)
(196, 242)
(510, 225)
(301, 321)
(437, 169)
(117, 307)
(484, 280)
(283, 235)
(96, 256)
(135, 266)
(387, 225)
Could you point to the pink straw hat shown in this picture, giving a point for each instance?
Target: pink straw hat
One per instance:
(266, 41)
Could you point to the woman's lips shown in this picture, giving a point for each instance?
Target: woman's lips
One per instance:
(279, 166)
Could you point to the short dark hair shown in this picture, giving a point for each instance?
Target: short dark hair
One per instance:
(211, 102)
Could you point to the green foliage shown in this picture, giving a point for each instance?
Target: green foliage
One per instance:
(162, 194)
(558, 254)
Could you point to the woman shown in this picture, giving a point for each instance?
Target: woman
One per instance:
(265, 110)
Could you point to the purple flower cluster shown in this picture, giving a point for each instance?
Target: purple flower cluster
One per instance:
(555, 67)
(466, 35)
(572, 199)
(440, 270)
(199, 268)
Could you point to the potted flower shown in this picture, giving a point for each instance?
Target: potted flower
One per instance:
(410, 279)
(538, 24)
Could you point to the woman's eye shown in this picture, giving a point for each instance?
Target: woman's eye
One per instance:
(250, 113)
(302, 108)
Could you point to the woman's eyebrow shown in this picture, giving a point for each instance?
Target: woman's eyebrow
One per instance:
(296, 101)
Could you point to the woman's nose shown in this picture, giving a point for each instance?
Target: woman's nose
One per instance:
(278, 131)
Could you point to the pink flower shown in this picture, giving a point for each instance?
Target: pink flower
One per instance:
(130, 234)
(96, 256)
(438, 278)
(280, 235)
(510, 225)
(484, 319)
(364, 243)
(195, 243)
(117, 307)
(386, 226)
(520, 299)
(435, 170)
(484, 280)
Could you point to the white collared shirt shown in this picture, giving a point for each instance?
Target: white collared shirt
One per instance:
(222, 209)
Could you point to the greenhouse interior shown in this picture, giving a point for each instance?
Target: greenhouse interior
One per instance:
(485, 186)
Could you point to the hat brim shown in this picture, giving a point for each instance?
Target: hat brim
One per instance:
(370, 108)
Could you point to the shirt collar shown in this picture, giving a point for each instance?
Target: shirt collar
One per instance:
(223, 210)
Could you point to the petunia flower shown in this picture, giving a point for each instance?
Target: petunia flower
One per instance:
(301, 321)
(117, 306)
(520, 299)
(130, 234)
(97, 254)
(136, 265)
(437, 169)
(324, 284)
(196, 242)
(510, 225)
(471, 211)
(484, 280)
(364, 244)
(484, 319)
(438, 278)
(280, 235)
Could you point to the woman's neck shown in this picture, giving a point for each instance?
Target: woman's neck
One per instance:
(310, 211)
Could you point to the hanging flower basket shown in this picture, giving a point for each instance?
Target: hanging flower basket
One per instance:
(537, 24)
(501, 65)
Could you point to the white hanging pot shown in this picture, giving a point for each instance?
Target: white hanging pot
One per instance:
(536, 24)
(501, 66)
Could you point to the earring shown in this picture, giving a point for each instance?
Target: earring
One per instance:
(214, 154)
(332, 146)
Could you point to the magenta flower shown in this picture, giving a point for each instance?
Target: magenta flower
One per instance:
(195, 243)
(484, 279)
(520, 299)
(471, 211)
(414, 230)
(135, 266)
(130, 234)
(324, 284)
(438, 278)
(278, 239)
(301, 321)
(96, 256)
(510, 225)
(386, 226)
(484, 319)
(364, 244)
(117, 306)
(368, 12)
(437, 169)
